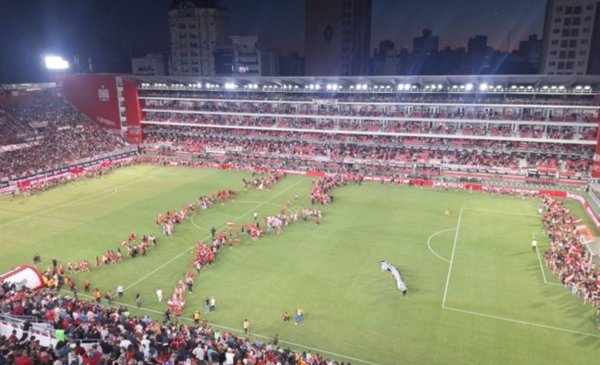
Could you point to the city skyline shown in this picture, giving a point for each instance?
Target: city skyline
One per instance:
(113, 32)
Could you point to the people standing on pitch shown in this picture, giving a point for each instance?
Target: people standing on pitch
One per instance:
(246, 326)
(212, 303)
(120, 290)
(159, 294)
(213, 231)
(206, 305)
(299, 315)
(286, 316)
(533, 243)
(109, 297)
(97, 295)
(138, 300)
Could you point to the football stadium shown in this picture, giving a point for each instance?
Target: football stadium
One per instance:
(303, 220)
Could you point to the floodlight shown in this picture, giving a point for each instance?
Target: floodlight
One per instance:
(469, 87)
(483, 87)
(56, 63)
(587, 87)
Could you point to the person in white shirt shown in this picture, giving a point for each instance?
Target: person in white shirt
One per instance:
(212, 303)
(159, 294)
(120, 290)
(199, 353)
(229, 355)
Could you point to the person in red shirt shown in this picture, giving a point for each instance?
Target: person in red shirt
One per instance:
(23, 359)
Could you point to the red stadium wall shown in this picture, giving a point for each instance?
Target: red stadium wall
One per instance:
(95, 95)
(133, 111)
(596, 161)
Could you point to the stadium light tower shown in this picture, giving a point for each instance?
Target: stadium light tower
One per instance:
(56, 63)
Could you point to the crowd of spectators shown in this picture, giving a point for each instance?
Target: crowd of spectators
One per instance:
(375, 111)
(567, 159)
(370, 127)
(467, 132)
(391, 97)
(567, 256)
(122, 338)
(55, 134)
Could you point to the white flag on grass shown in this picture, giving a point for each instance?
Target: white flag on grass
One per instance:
(386, 266)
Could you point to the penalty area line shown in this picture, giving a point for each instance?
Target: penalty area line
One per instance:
(542, 270)
(525, 323)
(207, 237)
(237, 330)
(452, 258)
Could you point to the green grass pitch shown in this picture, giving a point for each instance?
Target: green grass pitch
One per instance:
(477, 292)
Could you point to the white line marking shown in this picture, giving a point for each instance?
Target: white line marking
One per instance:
(542, 270)
(500, 212)
(429, 243)
(115, 191)
(225, 226)
(452, 258)
(239, 331)
(72, 202)
(196, 225)
(533, 324)
(541, 266)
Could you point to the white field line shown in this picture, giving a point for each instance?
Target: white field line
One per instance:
(500, 212)
(532, 324)
(490, 316)
(239, 331)
(542, 270)
(452, 258)
(84, 202)
(429, 243)
(224, 226)
(72, 203)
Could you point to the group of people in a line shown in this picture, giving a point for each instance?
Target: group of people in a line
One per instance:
(567, 257)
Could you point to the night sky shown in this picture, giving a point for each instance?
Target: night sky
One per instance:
(112, 31)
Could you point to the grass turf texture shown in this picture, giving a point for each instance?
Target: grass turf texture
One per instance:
(498, 309)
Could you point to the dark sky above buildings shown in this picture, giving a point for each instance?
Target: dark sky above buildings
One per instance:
(113, 30)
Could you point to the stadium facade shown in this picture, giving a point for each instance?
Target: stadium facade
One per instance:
(542, 126)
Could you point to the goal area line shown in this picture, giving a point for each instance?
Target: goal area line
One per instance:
(492, 316)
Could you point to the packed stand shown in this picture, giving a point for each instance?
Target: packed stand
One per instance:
(567, 256)
(126, 339)
(57, 135)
